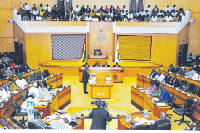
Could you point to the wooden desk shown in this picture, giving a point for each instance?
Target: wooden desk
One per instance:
(145, 102)
(116, 72)
(140, 80)
(101, 89)
(101, 59)
(122, 124)
(182, 97)
(59, 101)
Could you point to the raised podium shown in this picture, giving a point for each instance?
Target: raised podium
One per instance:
(92, 59)
(101, 85)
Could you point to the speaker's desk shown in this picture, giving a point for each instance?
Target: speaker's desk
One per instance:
(101, 88)
(115, 72)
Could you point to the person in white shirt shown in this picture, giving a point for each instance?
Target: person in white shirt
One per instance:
(196, 76)
(148, 9)
(142, 13)
(160, 77)
(174, 13)
(167, 8)
(76, 11)
(47, 8)
(130, 16)
(34, 89)
(34, 13)
(21, 83)
(174, 8)
(154, 18)
(43, 91)
(78, 17)
(168, 18)
(124, 9)
(28, 10)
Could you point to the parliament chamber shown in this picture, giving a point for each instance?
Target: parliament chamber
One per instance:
(60, 59)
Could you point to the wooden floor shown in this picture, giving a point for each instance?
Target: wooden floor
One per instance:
(120, 102)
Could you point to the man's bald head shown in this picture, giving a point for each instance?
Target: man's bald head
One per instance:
(162, 115)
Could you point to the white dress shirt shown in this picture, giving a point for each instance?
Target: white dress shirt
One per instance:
(167, 9)
(160, 78)
(27, 7)
(77, 9)
(47, 8)
(130, 16)
(21, 83)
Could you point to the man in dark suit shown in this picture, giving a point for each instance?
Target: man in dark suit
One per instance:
(18, 69)
(106, 65)
(96, 65)
(85, 64)
(116, 65)
(7, 86)
(26, 67)
(171, 68)
(85, 78)
(174, 81)
(99, 117)
(153, 73)
(167, 78)
(162, 120)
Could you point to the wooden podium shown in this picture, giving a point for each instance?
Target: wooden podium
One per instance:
(101, 86)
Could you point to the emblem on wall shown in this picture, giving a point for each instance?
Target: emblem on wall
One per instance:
(115, 77)
(101, 35)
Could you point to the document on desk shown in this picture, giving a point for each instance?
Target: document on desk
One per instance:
(47, 98)
(91, 81)
(155, 100)
(161, 104)
(42, 103)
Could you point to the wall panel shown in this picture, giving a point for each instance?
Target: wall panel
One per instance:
(6, 29)
(7, 45)
(6, 4)
(38, 48)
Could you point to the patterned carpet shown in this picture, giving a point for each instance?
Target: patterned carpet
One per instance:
(119, 103)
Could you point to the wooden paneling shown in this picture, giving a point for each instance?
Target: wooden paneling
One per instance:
(38, 48)
(7, 45)
(56, 23)
(186, 4)
(18, 33)
(100, 3)
(194, 37)
(164, 49)
(5, 4)
(6, 29)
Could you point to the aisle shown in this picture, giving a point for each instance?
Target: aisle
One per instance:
(119, 103)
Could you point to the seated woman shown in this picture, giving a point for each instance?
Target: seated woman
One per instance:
(43, 91)
(152, 88)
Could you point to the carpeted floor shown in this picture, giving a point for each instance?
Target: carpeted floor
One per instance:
(120, 102)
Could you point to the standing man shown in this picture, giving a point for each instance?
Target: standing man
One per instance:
(85, 78)
(99, 117)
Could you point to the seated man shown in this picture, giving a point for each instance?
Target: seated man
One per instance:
(85, 64)
(20, 82)
(116, 65)
(43, 91)
(96, 65)
(9, 73)
(26, 68)
(174, 81)
(162, 120)
(196, 67)
(7, 87)
(152, 88)
(34, 89)
(184, 85)
(18, 69)
(153, 73)
(158, 92)
(2, 74)
(38, 122)
(159, 77)
(106, 65)
(31, 78)
(196, 76)
(182, 71)
(165, 96)
(171, 68)
(167, 78)
(190, 59)
(190, 73)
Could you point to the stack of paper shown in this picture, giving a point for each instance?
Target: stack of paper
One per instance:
(47, 98)
(42, 103)
(155, 100)
(161, 104)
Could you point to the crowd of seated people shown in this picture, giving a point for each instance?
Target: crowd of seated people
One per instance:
(112, 14)
(105, 65)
